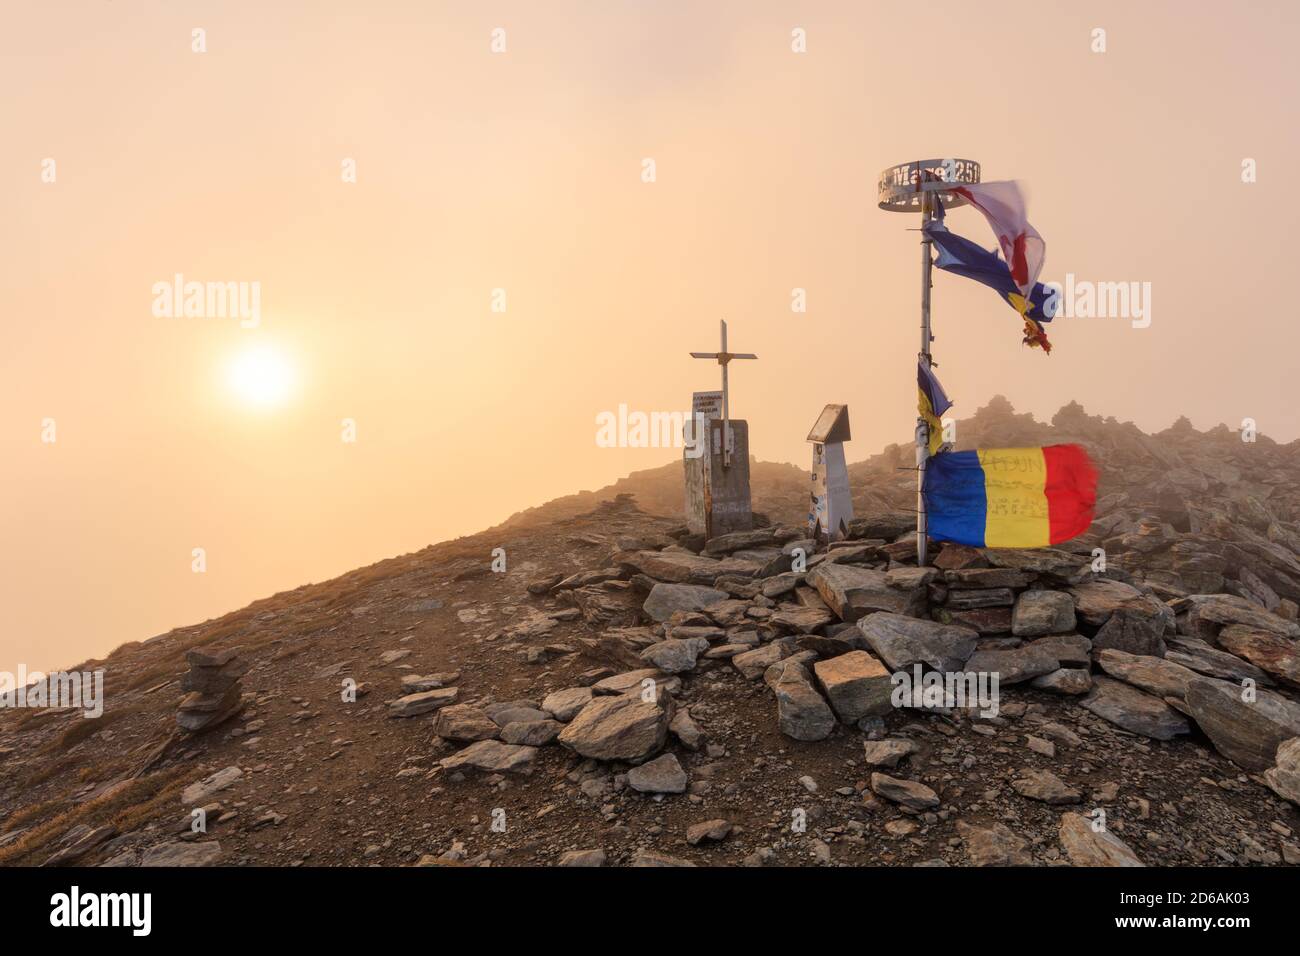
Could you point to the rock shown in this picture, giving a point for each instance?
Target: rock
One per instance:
(803, 620)
(197, 793)
(1208, 610)
(1015, 665)
(675, 656)
(628, 682)
(853, 592)
(984, 579)
(649, 858)
(685, 729)
(904, 641)
(583, 858)
(563, 705)
(907, 793)
(856, 684)
(392, 657)
(1046, 786)
(205, 853)
(531, 733)
(198, 657)
(1133, 710)
(412, 705)
(1072, 650)
(492, 756)
(715, 830)
(509, 711)
(1042, 612)
(1048, 563)
(782, 584)
(1096, 599)
(214, 680)
(667, 599)
(1278, 656)
(738, 540)
(886, 753)
(1248, 734)
(416, 683)
(540, 585)
(1204, 659)
(1284, 777)
(464, 724)
(969, 600)
(802, 713)
(89, 840)
(985, 620)
(622, 727)
(993, 846)
(882, 524)
(1135, 629)
(956, 557)
(664, 774)
(752, 664)
(1152, 674)
(1088, 847)
(1067, 680)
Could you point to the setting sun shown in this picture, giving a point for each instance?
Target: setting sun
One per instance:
(261, 376)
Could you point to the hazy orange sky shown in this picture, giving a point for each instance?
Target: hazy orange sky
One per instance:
(522, 171)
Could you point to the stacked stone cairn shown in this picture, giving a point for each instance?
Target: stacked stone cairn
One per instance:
(215, 691)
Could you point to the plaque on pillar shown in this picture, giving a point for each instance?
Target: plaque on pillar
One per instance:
(717, 458)
(830, 507)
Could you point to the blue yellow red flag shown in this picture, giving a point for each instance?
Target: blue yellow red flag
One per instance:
(931, 402)
(1010, 497)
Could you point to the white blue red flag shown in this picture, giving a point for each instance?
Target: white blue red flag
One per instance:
(1003, 205)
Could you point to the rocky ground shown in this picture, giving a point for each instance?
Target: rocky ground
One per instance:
(623, 694)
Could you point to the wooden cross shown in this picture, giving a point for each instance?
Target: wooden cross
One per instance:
(723, 357)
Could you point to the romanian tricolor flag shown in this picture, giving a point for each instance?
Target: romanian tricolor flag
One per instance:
(931, 402)
(1010, 497)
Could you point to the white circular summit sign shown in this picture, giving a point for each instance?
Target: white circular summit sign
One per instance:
(900, 187)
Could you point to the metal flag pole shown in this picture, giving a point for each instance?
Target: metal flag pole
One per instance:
(916, 187)
(923, 427)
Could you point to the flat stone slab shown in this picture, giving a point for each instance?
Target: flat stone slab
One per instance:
(886, 753)
(902, 641)
(853, 592)
(801, 712)
(492, 756)
(1038, 613)
(464, 724)
(1045, 786)
(907, 793)
(856, 684)
(1086, 846)
(199, 791)
(667, 599)
(564, 705)
(1247, 733)
(1155, 675)
(664, 774)
(1140, 713)
(1015, 665)
(412, 705)
(621, 727)
(205, 853)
